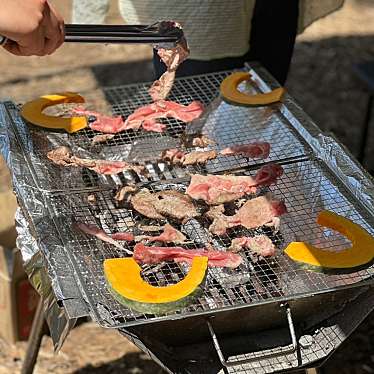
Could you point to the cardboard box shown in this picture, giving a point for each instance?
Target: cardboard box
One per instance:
(18, 299)
(8, 206)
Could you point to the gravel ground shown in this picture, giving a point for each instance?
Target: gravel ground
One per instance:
(321, 79)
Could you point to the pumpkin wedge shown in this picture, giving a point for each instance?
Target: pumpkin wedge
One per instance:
(33, 112)
(359, 255)
(230, 92)
(126, 285)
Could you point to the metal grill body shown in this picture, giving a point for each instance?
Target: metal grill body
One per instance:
(251, 293)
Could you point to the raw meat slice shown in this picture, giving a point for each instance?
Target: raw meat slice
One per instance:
(263, 210)
(252, 150)
(199, 157)
(102, 235)
(164, 109)
(152, 125)
(257, 212)
(154, 255)
(123, 236)
(218, 189)
(169, 235)
(63, 156)
(103, 123)
(259, 244)
(268, 174)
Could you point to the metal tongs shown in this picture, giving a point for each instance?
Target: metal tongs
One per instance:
(166, 34)
(163, 34)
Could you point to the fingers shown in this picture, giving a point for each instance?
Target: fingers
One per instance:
(44, 39)
(54, 29)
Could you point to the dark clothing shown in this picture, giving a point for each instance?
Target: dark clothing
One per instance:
(273, 34)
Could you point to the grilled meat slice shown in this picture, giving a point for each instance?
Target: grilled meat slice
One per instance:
(257, 212)
(124, 193)
(64, 157)
(259, 244)
(174, 204)
(143, 202)
(202, 141)
(155, 255)
(172, 58)
(175, 156)
(97, 139)
(199, 157)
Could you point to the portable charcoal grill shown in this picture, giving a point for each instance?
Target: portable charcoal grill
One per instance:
(270, 294)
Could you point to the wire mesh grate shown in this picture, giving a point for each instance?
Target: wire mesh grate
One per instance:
(226, 124)
(307, 187)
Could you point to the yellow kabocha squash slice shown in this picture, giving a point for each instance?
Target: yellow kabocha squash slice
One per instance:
(359, 255)
(126, 285)
(230, 92)
(33, 112)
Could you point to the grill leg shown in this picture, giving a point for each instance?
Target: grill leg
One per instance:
(34, 341)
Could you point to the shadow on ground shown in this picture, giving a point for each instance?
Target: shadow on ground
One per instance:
(323, 81)
(131, 363)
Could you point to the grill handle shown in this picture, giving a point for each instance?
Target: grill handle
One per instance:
(267, 355)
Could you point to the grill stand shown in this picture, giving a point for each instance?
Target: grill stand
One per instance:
(329, 330)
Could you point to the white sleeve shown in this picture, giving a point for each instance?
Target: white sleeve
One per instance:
(89, 11)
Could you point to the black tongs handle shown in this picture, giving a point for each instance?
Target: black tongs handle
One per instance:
(160, 32)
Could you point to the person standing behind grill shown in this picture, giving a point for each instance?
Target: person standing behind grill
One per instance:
(30, 27)
(222, 34)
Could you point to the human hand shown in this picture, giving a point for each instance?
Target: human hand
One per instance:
(33, 27)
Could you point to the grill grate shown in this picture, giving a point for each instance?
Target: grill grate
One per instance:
(227, 125)
(307, 187)
(275, 279)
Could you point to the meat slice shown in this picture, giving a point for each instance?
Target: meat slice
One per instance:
(124, 193)
(101, 122)
(155, 255)
(143, 202)
(174, 204)
(169, 235)
(199, 157)
(252, 150)
(102, 235)
(218, 189)
(220, 224)
(63, 156)
(101, 138)
(259, 244)
(147, 115)
(202, 141)
(159, 205)
(172, 58)
(257, 212)
(173, 156)
(263, 210)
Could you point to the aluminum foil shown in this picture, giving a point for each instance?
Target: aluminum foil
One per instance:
(33, 227)
(44, 242)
